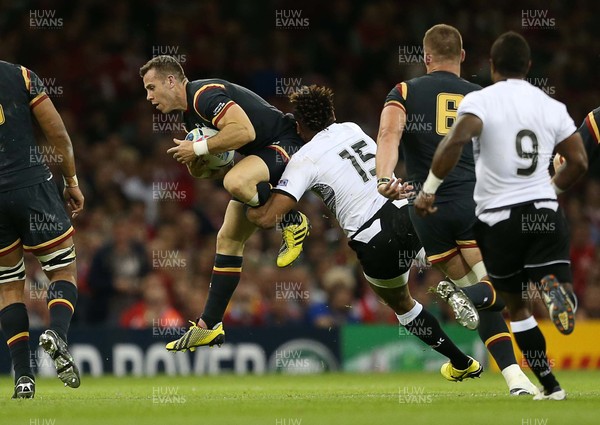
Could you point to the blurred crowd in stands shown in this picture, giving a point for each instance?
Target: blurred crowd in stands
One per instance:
(145, 244)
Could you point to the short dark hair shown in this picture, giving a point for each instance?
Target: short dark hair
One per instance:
(313, 107)
(511, 55)
(443, 41)
(165, 65)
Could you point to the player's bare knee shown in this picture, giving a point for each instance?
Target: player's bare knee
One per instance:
(12, 292)
(67, 273)
(519, 314)
(517, 306)
(227, 243)
(236, 185)
(394, 292)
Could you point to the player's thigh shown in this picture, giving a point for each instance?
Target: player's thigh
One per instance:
(277, 155)
(471, 256)
(235, 231)
(474, 260)
(398, 298)
(242, 179)
(45, 229)
(265, 164)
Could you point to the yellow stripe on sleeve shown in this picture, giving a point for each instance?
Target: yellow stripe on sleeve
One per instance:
(594, 125)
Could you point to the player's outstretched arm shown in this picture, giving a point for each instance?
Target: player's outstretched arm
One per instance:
(576, 162)
(391, 123)
(445, 159)
(56, 134)
(270, 213)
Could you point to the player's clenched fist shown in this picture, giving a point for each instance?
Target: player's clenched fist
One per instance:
(424, 204)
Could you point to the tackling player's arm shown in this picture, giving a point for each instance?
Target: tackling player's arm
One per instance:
(445, 159)
(56, 134)
(576, 162)
(268, 215)
(391, 125)
(299, 176)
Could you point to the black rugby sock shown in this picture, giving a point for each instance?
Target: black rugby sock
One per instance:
(15, 326)
(426, 327)
(532, 343)
(225, 278)
(61, 299)
(495, 335)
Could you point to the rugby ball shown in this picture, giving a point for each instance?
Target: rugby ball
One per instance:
(558, 161)
(208, 161)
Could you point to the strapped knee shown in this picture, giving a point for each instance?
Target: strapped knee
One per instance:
(13, 273)
(57, 259)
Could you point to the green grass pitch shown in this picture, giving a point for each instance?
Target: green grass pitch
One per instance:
(339, 399)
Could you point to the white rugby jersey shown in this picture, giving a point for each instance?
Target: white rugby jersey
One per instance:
(521, 127)
(338, 164)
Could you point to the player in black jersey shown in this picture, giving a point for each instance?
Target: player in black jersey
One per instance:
(252, 127)
(33, 219)
(590, 133)
(418, 113)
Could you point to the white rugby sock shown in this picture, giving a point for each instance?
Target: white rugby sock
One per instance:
(411, 314)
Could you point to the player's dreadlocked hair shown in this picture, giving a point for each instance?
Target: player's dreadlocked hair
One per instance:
(313, 107)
